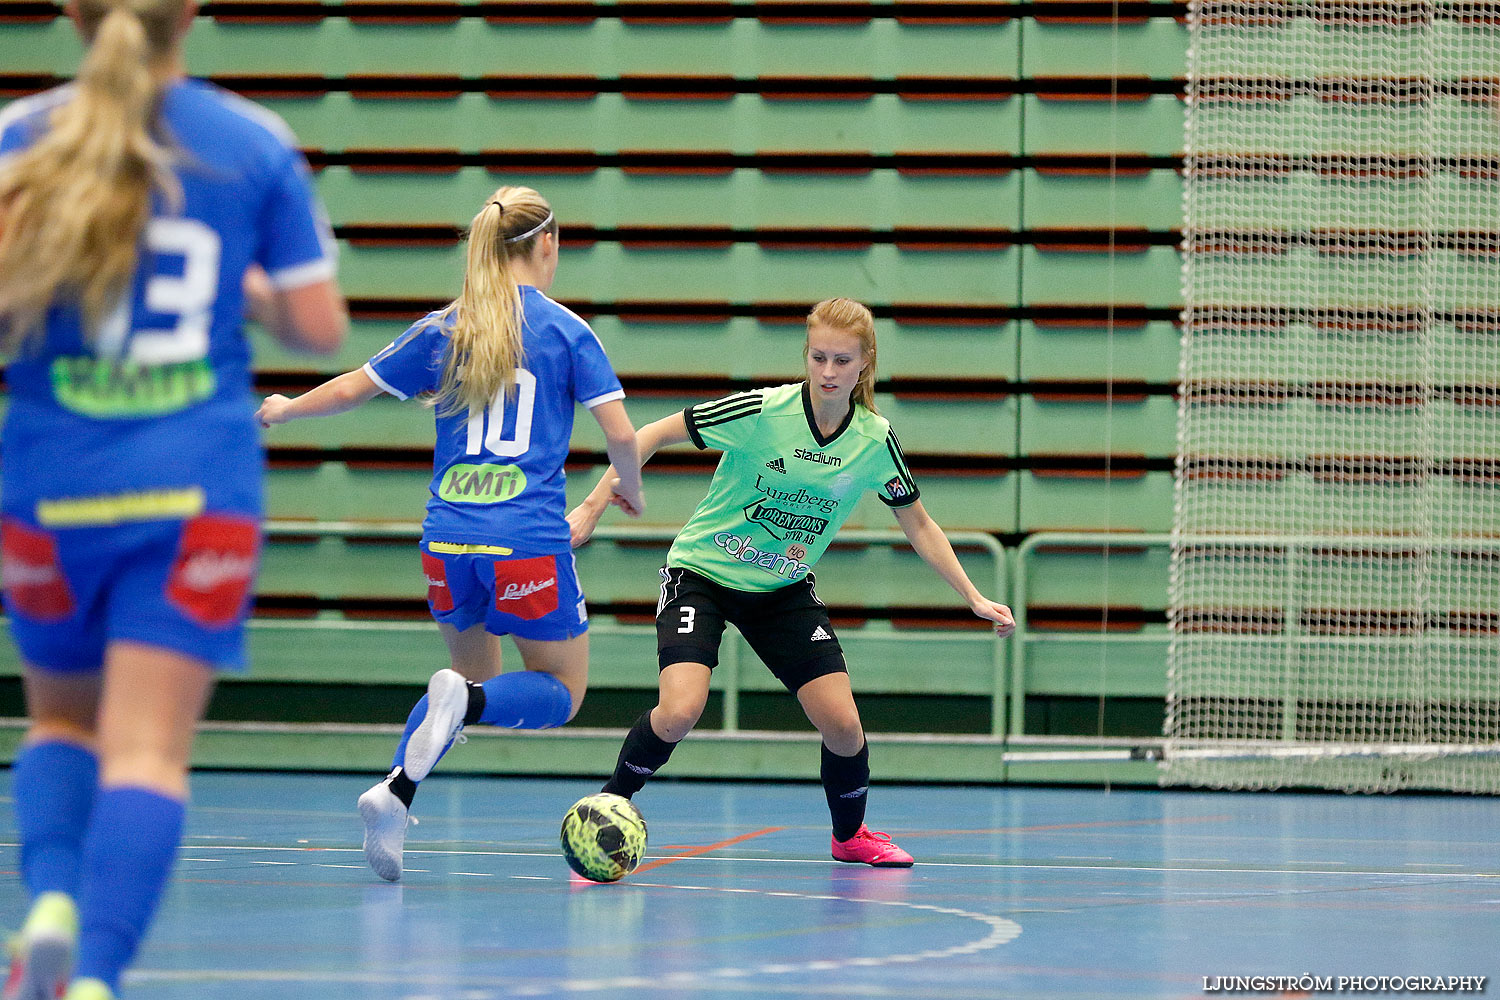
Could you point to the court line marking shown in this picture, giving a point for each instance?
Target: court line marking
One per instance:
(693, 852)
(1002, 930)
(996, 865)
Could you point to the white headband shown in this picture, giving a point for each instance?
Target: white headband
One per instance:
(532, 231)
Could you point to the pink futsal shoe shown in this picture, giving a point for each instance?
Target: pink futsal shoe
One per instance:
(867, 847)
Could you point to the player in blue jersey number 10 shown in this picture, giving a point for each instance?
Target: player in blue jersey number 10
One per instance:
(796, 460)
(504, 366)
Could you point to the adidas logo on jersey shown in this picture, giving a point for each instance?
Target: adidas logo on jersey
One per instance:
(820, 633)
(638, 769)
(777, 465)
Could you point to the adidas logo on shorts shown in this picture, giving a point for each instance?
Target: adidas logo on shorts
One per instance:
(777, 465)
(820, 633)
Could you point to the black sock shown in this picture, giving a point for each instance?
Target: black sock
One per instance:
(402, 787)
(477, 701)
(642, 755)
(846, 781)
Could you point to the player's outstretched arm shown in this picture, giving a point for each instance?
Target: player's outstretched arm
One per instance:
(648, 440)
(337, 395)
(932, 545)
(620, 443)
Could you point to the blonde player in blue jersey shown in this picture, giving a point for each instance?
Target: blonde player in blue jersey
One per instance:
(504, 366)
(796, 460)
(142, 215)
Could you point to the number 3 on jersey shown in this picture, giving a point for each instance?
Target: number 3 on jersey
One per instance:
(487, 427)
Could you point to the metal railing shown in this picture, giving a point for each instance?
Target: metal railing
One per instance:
(734, 651)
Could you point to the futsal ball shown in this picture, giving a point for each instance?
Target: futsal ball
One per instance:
(603, 837)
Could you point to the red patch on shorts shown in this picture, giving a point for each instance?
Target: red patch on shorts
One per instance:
(526, 588)
(216, 561)
(34, 581)
(439, 596)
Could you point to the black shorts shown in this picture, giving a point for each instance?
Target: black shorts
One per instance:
(788, 627)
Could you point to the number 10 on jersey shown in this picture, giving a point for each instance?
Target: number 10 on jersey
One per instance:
(487, 427)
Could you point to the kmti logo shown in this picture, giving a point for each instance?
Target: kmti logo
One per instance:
(777, 521)
(482, 483)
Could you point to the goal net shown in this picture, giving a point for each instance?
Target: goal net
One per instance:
(1335, 587)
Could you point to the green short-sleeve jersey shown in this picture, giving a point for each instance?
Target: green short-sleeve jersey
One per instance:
(782, 490)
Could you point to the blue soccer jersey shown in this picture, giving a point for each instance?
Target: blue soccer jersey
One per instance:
(498, 474)
(153, 418)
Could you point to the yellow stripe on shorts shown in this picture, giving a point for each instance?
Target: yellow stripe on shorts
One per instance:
(455, 549)
(151, 505)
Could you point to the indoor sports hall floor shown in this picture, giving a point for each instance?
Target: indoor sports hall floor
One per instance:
(1018, 893)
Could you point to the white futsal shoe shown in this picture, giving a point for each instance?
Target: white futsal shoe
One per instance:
(385, 819)
(447, 702)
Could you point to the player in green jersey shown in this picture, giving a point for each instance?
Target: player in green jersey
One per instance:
(796, 460)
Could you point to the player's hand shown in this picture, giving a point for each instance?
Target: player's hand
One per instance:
(583, 519)
(632, 502)
(1005, 622)
(273, 410)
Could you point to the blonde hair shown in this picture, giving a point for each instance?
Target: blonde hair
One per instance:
(849, 316)
(486, 347)
(73, 205)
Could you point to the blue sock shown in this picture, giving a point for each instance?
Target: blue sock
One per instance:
(53, 784)
(525, 699)
(521, 699)
(418, 713)
(127, 859)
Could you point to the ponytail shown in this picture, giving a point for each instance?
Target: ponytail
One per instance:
(849, 316)
(486, 345)
(74, 204)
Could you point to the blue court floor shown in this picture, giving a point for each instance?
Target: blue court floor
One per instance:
(1018, 892)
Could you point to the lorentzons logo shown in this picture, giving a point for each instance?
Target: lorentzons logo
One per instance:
(774, 518)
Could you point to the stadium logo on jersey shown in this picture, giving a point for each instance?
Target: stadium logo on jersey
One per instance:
(775, 520)
(216, 559)
(739, 548)
(826, 504)
(34, 582)
(895, 488)
(777, 465)
(526, 588)
(481, 483)
(821, 457)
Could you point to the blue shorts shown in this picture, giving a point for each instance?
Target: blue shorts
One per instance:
(512, 593)
(181, 585)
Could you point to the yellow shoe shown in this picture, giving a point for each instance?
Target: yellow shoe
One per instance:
(41, 955)
(88, 989)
